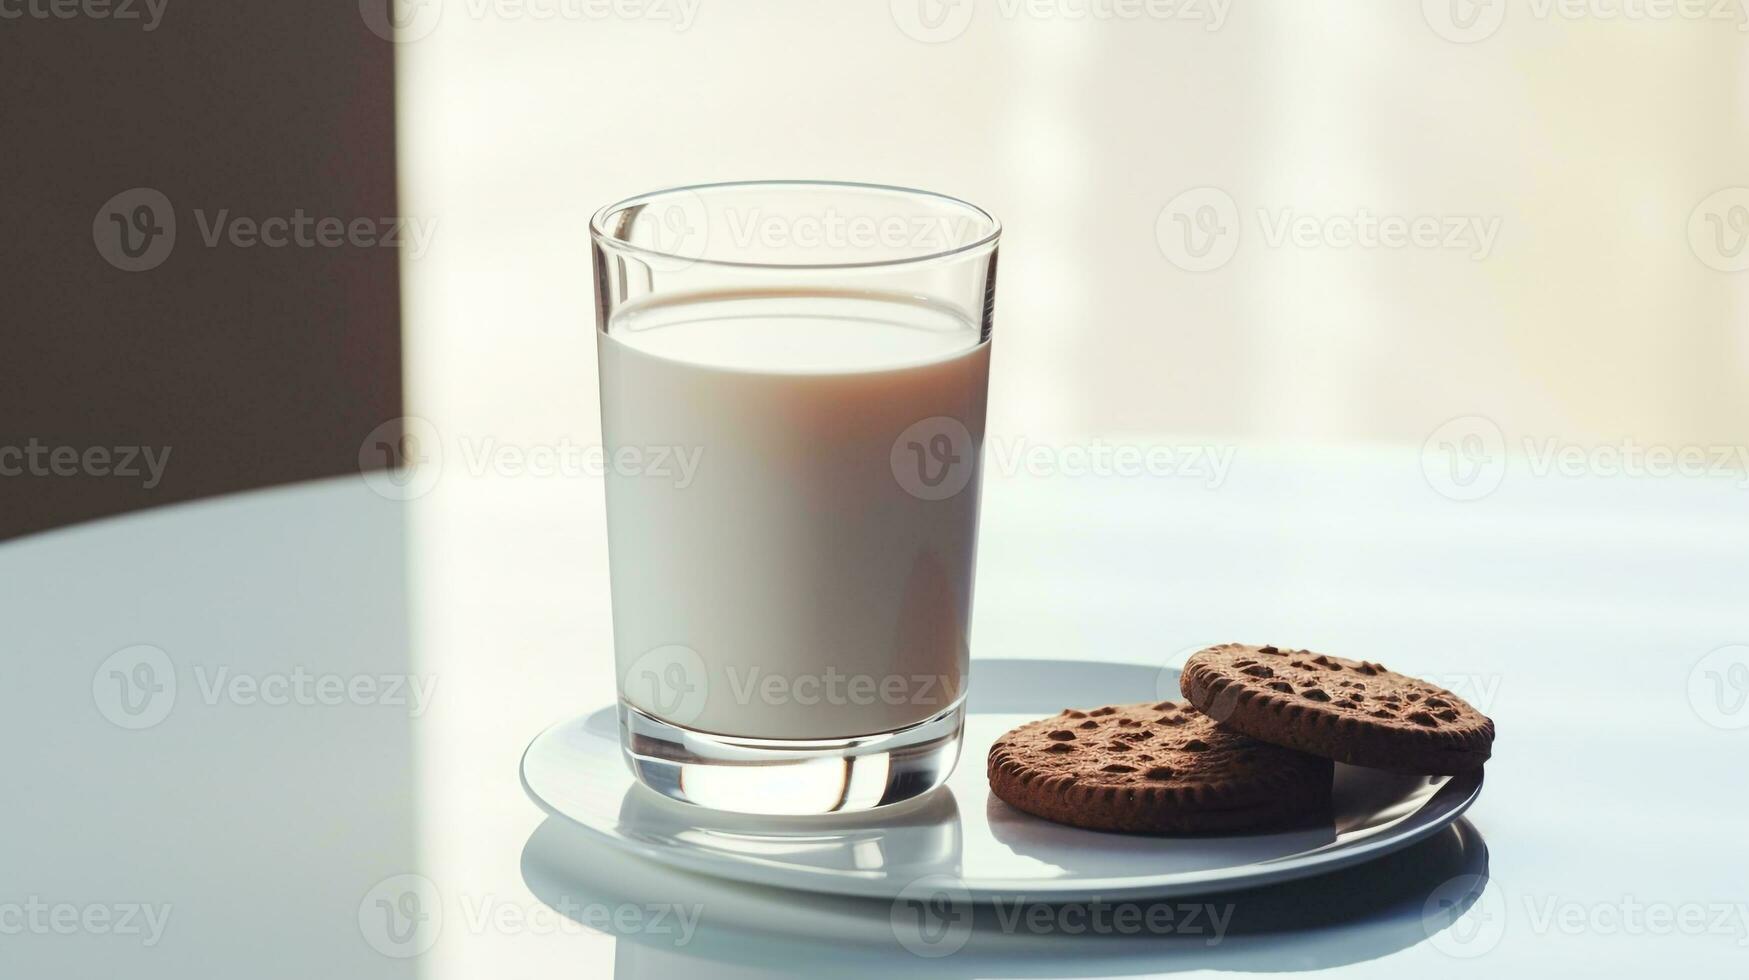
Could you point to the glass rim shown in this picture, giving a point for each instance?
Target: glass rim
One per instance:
(600, 237)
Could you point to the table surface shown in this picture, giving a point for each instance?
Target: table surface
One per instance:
(339, 686)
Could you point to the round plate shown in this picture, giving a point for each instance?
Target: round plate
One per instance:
(991, 850)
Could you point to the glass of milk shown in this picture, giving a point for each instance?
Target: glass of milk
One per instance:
(793, 379)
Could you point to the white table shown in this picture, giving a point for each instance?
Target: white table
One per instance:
(259, 818)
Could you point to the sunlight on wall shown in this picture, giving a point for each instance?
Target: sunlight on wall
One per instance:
(1561, 159)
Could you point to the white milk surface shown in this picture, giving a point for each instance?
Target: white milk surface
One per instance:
(788, 584)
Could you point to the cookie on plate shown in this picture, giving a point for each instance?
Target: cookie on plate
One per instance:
(1158, 767)
(1351, 711)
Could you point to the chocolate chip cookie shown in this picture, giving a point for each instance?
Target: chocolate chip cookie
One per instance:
(1159, 767)
(1351, 711)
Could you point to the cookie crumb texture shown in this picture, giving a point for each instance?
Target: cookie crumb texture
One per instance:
(1352, 711)
(1158, 767)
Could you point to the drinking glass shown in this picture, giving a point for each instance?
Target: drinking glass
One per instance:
(793, 381)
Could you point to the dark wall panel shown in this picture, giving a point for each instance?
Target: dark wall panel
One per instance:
(198, 273)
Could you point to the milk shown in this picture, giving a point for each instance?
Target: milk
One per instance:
(812, 577)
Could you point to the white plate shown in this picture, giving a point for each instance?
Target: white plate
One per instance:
(991, 850)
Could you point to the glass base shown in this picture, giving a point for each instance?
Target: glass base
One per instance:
(791, 777)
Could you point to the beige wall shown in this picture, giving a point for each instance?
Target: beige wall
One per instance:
(1587, 143)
